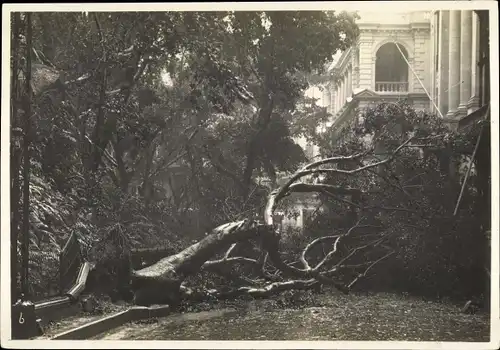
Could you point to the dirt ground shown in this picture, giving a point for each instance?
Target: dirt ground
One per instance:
(339, 317)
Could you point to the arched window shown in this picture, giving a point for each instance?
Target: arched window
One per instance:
(391, 69)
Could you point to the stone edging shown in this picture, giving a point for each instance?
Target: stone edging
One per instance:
(104, 324)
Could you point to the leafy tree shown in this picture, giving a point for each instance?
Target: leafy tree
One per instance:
(128, 153)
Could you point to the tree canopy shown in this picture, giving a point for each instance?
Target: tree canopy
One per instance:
(160, 123)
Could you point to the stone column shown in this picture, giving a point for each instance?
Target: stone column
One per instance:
(355, 68)
(341, 93)
(344, 88)
(454, 65)
(337, 98)
(465, 61)
(366, 72)
(349, 81)
(324, 96)
(333, 96)
(332, 99)
(473, 103)
(329, 101)
(443, 61)
(345, 83)
(433, 50)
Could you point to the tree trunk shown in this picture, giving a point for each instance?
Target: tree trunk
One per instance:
(160, 282)
(253, 149)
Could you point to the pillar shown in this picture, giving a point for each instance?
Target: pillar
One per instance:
(341, 93)
(354, 66)
(332, 86)
(465, 61)
(344, 83)
(433, 56)
(349, 81)
(454, 64)
(473, 103)
(324, 96)
(337, 97)
(443, 61)
(344, 90)
(331, 103)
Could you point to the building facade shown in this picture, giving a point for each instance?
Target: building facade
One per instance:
(436, 60)
(460, 70)
(389, 61)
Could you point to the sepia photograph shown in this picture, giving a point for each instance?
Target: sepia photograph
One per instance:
(322, 173)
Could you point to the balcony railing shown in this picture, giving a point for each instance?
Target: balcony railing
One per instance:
(391, 86)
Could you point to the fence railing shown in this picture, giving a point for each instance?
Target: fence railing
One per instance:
(391, 86)
(29, 318)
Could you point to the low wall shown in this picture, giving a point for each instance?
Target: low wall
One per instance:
(104, 324)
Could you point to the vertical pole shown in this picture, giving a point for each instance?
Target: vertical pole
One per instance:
(14, 159)
(26, 167)
(61, 291)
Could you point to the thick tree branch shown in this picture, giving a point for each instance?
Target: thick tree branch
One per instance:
(281, 192)
(323, 188)
(267, 290)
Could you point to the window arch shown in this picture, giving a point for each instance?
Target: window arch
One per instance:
(391, 69)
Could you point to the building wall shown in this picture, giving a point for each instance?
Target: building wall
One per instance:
(357, 66)
(456, 43)
(443, 51)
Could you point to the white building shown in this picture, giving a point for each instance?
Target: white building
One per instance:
(389, 61)
(436, 60)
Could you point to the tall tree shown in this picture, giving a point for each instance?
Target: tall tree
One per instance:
(142, 116)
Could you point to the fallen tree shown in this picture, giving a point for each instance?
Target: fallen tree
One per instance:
(162, 282)
(388, 198)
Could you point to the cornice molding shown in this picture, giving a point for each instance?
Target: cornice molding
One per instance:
(389, 30)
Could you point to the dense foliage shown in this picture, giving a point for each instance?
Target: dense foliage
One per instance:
(413, 198)
(151, 128)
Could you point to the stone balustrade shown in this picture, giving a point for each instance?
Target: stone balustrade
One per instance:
(391, 86)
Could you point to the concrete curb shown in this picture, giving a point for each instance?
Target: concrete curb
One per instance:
(104, 324)
(48, 314)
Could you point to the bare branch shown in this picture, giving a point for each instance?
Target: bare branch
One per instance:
(281, 192)
(231, 248)
(268, 289)
(224, 261)
(368, 268)
(310, 246)
(264, 271)
(337, 159)
(304, 187)
(335, 245)
(355, 250)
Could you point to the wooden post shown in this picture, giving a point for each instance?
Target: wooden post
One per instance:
(26, 167)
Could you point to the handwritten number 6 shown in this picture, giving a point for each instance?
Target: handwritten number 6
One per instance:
(21, 319)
